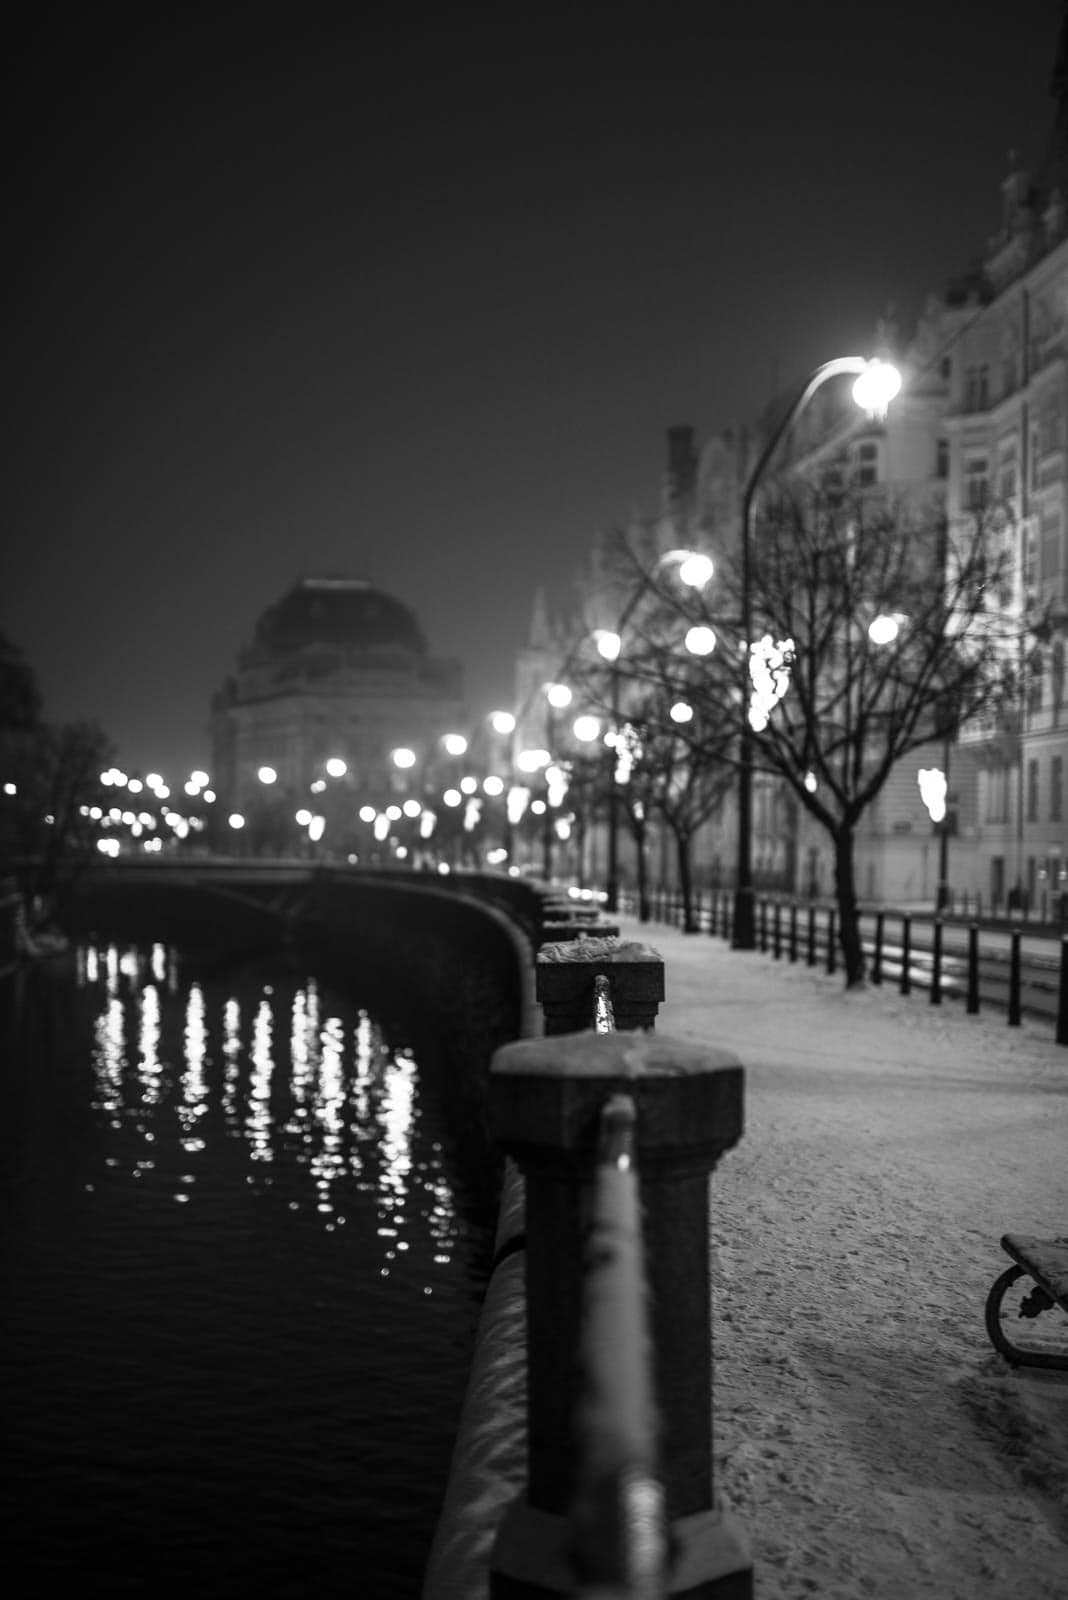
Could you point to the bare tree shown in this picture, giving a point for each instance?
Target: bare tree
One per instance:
(874, 631)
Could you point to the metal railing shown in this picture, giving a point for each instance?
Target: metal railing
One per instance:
(619, 1535)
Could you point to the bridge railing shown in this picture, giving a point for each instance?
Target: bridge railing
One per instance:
(611, 1133)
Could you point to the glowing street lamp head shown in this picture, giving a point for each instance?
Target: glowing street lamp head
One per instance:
(236, 820)
(558, 695)
(696, 570)
(502, 722)
(403, 758)
(267, 775)
(700, 641)
(609, 644)
(586, 729)
(876, 387)
(336, 768)
(883, 630)
(455, 744)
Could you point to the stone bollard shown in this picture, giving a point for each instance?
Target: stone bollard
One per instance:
(563, 983)
(545, 1096)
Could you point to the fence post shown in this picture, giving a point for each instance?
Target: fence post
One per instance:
(776, 932)
(1014, 978)
(877, 959)
(1062, 999)
(564, 975)
(906, 953)
(973, 969)
(793, 930)
(810, 960)
(544, 1103)
(936, 963)
(764, 927)
(831, 952)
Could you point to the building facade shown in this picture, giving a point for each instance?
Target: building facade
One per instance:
(336, 672)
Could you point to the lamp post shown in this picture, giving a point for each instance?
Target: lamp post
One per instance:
(695, 570)
(877, 383)
(557, 698)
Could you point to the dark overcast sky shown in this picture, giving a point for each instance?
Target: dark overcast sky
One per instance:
(416, 300)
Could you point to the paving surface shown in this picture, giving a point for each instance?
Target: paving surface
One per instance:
(869, 1437)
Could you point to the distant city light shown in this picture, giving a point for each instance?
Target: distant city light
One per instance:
(267, 775)
(532, 760)
(558, 695)
(318, 786)
(468, 785)
(455, 744)
(191, 788)
(108, 847)
(303, 817)
(538, 807)
(883, 630)
(403, 757)
(10, 788)
(411, 808)
(452, 797)
(199, 778)
(153, 780)
(209, 795)
(316, 829)
(586, 729)
(493, 785)
(336, 768)
(681, 712)
(394, 813)
(502, 722)
(236, 820)
(367, 813)
(609, 644)
(135, 786)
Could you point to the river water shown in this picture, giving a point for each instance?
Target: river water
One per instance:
(242, 1270)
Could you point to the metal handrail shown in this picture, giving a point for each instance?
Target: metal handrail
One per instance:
(618, 1522)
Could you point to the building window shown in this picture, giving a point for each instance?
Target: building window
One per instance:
(1051, 543)
(997, 794)
(867, 465)
(977, 387)
(942, 459)
(976, 483)
(1055, 789)
(946, 368)
(1032, 791)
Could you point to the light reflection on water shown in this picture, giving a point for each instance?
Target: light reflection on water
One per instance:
(259, 1171)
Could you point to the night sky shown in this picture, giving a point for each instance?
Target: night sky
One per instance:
(416, 299)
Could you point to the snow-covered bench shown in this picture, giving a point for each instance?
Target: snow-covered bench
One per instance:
(1045, 1261)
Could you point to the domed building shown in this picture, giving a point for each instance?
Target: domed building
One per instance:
(336, 670)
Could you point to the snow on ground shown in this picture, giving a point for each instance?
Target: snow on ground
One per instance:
(867, 1434)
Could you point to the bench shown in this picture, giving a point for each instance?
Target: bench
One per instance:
(1045, 1261)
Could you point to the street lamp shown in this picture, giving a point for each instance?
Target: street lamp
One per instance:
(877, 384)
(695, 570)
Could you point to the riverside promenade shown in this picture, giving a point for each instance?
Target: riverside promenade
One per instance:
(867, 1434)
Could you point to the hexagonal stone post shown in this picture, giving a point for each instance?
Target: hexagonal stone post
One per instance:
(545, 1097)
(563, 983)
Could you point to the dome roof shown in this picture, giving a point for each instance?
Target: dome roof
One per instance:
(338, 611)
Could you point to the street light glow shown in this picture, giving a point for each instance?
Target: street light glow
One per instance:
(609, 644)
(883, 630)
(700, 641)
(455, 744)
(532, 760)
(336, 768)
(236, 820)
(558, 695)
(493, 786)
(502, 722)
(681, 712)
(876, 387)
(452, 797)
(403, 757)
(267, 775)
(696, 570)
(586, 729)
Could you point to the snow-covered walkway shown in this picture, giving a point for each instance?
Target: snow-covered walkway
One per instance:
(870, 1438)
